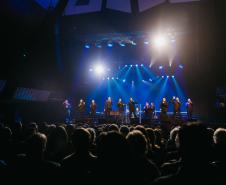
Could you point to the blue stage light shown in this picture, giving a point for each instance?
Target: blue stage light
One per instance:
(142, 65)
(173, 76)
(117, 78)
(122, 44)
(87, 46)
(160, 67)
(133, 43)
(150, 79)
(98, 45)
(108, 78)
(112, 78)
(124, 80)
(167, 76)
(136, 65)
(110, 44)
(143, 80)
(90, 69)
(131, 65)
(125, 65)
(162, 76)
(181, 66)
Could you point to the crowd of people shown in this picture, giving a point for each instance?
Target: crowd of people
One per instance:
(111, 154)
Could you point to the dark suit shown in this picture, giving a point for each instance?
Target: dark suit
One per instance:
(189, 107)
(81, 109)
(132, 109)
(176, 107)
(108, 108)
(164, 109)
(93, 110)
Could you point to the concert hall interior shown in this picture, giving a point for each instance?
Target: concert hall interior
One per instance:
(97, 85)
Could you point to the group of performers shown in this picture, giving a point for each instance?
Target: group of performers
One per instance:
(149, 109)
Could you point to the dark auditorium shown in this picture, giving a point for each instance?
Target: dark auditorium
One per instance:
(128, 92)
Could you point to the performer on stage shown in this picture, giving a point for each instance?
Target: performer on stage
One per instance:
(176, 106)
(152, 110)
(93, 107)
(67, 107)
(132, 109)
(108, 107)
(189, 107)
(81, 109)
(164, 109)
(121, 110)
(147, 114)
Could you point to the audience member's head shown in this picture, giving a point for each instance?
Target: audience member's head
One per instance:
(142, 129)
(81, 140)
(158, 137)
(36, 146)
(219, 137)
(124, 130)
(194, 143)
(113, 127)
(5, 135)
(112, 146)
(138, 143)
(151, 136)
(174, 132)
(70, 130)
(31, 129)
(92, 135)
(57, 140)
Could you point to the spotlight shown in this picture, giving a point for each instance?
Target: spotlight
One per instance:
(146, 42)
(90, 69)
(122, 44)
(112, 78)
(136, 65)
(131, 65)
(133, 43)
(167, 76)
(125, 65)
(160, 41)
(124, 80)
(181, 66)
(87, 46)
(98, 45)
(150, 79)
(160, 67)
(142, 65)
(108, 78)
(117, 78)
(99, 69)
(173, 76)
(110, 45)
(162, 76)
(143, 80)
